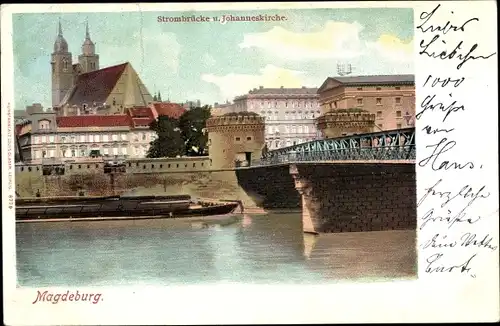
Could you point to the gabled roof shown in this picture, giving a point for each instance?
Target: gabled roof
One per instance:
(140, 116)
(172, 110)
(79, 121)
(95, 86)
(370, 80)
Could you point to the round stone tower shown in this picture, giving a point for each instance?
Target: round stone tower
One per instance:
(235, 139)
(338, 123)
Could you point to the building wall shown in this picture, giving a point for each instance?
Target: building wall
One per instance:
(230, 137)
(289, 116)
(77, 143)
(390, 104)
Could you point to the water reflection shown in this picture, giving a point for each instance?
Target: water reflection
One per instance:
(256, 249)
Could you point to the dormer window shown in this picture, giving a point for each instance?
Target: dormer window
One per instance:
(44, 124)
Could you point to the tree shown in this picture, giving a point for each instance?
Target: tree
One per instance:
(168, 142)
(192, 124)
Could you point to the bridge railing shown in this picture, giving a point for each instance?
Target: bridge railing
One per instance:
(389, 145)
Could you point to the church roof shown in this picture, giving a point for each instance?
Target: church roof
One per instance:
(79, 121)
(95, 86)
(172, 110)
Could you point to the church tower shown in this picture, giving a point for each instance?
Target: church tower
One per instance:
(88, 60)
(62, 69)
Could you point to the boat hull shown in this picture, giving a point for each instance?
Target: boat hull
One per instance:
(69, 208)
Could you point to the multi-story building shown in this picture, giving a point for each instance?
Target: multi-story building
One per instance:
(46, 137)
(391, 98)
(289, 113)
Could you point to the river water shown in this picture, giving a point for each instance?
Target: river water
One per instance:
(265, 249)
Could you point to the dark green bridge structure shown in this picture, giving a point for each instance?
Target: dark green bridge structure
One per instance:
(357, 183)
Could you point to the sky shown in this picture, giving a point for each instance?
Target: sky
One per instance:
(215, 62)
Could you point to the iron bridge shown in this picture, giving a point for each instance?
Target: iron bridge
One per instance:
(396, 144)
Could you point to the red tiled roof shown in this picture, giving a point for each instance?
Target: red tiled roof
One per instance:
(141, 116)
(141, 112)
(172, 110)
(95, 86)
(93, 121)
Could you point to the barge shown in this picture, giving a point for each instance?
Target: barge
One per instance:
(123, 207)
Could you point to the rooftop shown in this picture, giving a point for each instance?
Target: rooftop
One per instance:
(376, 79)
(79, 121)
(172, 110)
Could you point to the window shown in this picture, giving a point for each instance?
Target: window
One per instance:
(44, 139)
(360, 88)
(249, 138)
(82, 152)
(360, 101)
(399, 126)
(398, 114)
(51, 139)
(378, 88)
(91, 138)
(104, 137)
(143, 135)
(79, 166)
(152, 166)
(379, 114)
(379, 101)
(237, 138)
(73, 153)
(398, 88)
(73, 139)
(123, 136)
(398, 100)
(114, 137)
(44, 124)
(124, 150)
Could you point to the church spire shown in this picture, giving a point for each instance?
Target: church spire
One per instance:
(59, 31)
(87, 34)
(159, 96)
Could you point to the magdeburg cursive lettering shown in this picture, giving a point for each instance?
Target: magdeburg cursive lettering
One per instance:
(55, 298)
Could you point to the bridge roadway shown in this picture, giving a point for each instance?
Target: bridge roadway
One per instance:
(357, 183)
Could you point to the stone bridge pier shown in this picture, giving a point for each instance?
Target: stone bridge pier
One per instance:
(356, 197)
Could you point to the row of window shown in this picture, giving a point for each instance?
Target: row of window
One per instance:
(290, 129)
(84, 138)
(83, 152)
(274, 144)
(286, 104)
(378, 101)
(270, 115)
(379, 88)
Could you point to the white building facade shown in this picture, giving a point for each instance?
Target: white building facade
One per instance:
(45, 138)
(290, 113)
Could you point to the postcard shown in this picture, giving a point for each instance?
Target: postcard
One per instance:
(205, 163)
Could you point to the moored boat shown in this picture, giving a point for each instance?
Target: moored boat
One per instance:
(123, 207)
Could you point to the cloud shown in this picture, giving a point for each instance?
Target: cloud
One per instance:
(149, 53)
(392, 48)
(233, 84)
(335, 40)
